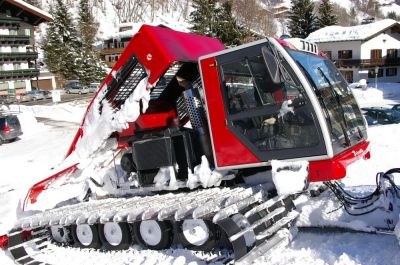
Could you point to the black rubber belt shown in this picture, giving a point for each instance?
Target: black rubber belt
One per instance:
(17, 250)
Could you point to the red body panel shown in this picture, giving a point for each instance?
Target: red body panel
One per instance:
(335, 168)
(36, 189)
(229, 151)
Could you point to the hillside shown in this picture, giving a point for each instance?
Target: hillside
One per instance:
(251, 13)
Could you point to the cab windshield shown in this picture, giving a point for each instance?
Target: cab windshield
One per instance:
(335, 97)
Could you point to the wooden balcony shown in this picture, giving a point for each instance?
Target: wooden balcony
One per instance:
(367, 63)
(114, 51)
(19, 73)
(18, 56)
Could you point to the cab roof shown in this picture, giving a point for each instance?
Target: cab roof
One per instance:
(158, 47)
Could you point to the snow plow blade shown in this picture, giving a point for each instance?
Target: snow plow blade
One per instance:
(245, 217)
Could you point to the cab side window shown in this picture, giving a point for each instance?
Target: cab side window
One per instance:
(266, 115)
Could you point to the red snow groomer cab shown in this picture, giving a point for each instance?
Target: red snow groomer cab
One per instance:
(238, 109)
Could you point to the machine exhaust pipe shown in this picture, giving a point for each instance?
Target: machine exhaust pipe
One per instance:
(198, 121)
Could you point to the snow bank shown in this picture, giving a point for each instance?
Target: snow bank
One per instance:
(29, 124)
(383, 96)
(61, 112)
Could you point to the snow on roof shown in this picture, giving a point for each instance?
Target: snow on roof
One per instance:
(37, 11)
(176, 25)
(360, 32)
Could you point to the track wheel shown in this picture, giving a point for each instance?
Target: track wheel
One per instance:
(115, 236)
(153, 234)
(61, 234)
(198, 234)
(86, 236)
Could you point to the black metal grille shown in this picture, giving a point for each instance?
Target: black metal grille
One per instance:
(125, 82)
(164, 81)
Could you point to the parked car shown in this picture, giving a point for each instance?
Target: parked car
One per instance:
(10, 127)
(382, 115)
(74, 87)
(396, 107)
(370, 121)
(35, 94)
(25, 97)
(46, 93)
(6, 100)
(93, 87)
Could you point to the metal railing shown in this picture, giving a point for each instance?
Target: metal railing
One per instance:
(367, 62)
(9, 56)
(14, 38)
(113, 51)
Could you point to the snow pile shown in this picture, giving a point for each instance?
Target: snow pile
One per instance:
(359, 32)
(99, 126)
(29, 124)
(204, 176)
(289, 177)
(384, 95)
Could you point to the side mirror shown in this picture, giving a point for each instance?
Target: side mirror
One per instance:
(272, 65)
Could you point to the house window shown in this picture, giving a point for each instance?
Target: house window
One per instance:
(1, 67)
(391, 53)
(14, 48)
(17, 66)
(348, 75)
(376, 54)
(328, 54)
(345, 54)
(116, 58)
(27, 32)
(13, 32)
(3, 85)
(391, 71)
(371, 73)
(109, 58)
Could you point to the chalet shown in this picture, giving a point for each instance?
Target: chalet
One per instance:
(18, 56)
(363, 52)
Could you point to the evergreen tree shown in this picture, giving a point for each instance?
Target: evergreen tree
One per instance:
(204, 17)
(61, 43)
(33, 2)
(52, 46)
(90, 68)
(302, 20)
(227, 31)
(393, 15)
(326, 15)
(210, 19)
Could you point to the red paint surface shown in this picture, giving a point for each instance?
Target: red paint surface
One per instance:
(229, 151)
(335, 168)
(3, 241)
(36, 189)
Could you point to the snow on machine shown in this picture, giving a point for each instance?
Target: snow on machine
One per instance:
(179, 144)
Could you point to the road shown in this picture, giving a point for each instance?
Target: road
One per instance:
(64, 98)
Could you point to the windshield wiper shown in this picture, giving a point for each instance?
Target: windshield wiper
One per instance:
(336, 95)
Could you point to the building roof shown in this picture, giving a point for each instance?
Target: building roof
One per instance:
(355, 33)
(25, 11)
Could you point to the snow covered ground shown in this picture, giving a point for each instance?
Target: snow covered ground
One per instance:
(28, 160)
